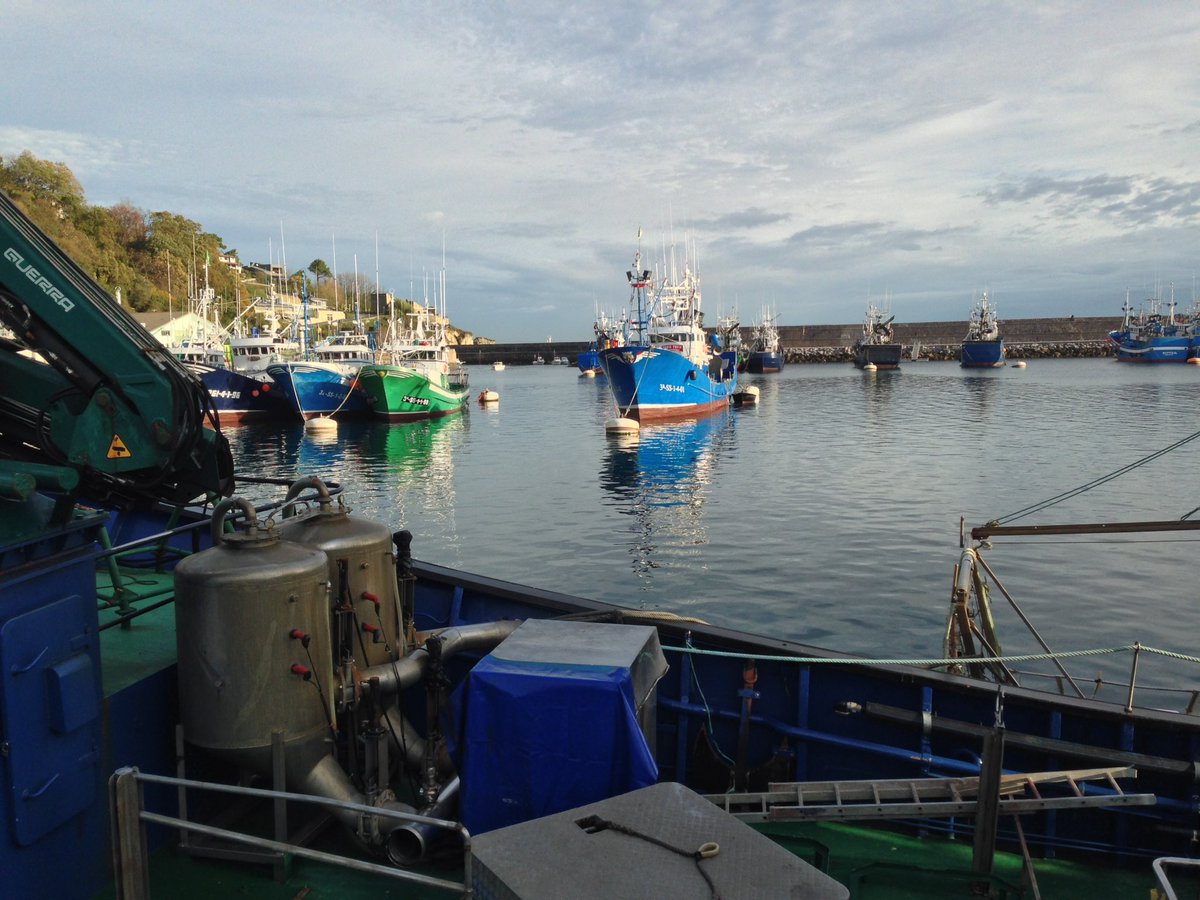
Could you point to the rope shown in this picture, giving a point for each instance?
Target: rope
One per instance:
(1066, 495)
(707, 850)
(954, 661)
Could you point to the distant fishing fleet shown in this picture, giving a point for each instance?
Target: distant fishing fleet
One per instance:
(659, 359)
(278, 370)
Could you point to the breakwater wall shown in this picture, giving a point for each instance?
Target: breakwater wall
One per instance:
(1067, 336)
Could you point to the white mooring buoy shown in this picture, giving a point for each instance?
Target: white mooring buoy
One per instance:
(1194, 361)
(1019, 364)
(621, 425)
(321, 423)
(488, 396)
(870, 367)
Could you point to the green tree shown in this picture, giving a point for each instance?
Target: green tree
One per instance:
(319, 270)
(39, 180)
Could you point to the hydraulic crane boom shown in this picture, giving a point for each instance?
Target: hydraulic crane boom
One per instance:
(83, 386)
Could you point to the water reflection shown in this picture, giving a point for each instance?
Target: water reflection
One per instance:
(877, 387)
(981, 391)
(661, 478)
(412, 468)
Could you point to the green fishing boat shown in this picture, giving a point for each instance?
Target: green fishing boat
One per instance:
(418, 375)
(402, 393)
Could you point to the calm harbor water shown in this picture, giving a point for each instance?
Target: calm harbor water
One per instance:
(829, 513)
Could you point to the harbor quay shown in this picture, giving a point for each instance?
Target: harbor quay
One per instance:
(1063, 336)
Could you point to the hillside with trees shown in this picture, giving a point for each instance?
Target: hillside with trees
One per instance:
(154, 260)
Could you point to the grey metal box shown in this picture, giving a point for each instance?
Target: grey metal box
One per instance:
(554, 858)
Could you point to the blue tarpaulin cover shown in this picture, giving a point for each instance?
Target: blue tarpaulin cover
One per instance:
(536, 736)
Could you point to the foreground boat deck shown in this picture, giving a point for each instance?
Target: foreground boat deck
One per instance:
(928, 868)
(871, 862)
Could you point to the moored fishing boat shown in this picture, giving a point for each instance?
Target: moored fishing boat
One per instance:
(1153, 335)
(764, 354)
(422, 378)
(232, 364)
(588, 361)
(608, 333)
(326, 382)
(667, 367)
(302, 657)
(983, 347)
(875, 347)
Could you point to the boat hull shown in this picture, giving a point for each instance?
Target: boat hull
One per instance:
(589, 360)
(764, 361)
(313, 389)
(1174, 348)
(983, 354)
(882, 356)
(652, 385)
(240, 398)
(399, 394)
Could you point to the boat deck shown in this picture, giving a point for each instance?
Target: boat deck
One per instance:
(930, 866)
(926, 868)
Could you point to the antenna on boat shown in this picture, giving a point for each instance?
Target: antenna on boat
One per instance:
(356, 296)
(333, 237)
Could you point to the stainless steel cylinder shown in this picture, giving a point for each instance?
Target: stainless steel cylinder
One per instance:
(366, 595)
(252, 633)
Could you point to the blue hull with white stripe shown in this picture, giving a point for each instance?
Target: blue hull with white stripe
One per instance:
(313, 389)
(656, 384)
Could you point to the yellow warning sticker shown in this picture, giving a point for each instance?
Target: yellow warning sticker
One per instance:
(117, 449)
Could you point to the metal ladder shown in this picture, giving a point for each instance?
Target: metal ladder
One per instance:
(927, 798)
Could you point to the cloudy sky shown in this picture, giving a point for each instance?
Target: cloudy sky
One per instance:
(817, 154)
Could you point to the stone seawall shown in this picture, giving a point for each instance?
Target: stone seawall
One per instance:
(1066, 336)
(1031, 350)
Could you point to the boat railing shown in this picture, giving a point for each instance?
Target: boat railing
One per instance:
(954, 664)
(130, 851)
(1167, 891)
(182, 536)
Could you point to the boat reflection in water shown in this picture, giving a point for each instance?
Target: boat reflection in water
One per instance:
(661, 478)
(414, 464)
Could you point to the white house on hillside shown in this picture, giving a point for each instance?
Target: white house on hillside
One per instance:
(174, 330)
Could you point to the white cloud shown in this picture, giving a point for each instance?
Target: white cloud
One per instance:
(815, 150)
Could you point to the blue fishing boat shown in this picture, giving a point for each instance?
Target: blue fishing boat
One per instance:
(588, 362)
(875, 346)
(185, 678)
(765, 354)
(1152, 334)
(327, 383)
(608, 332)
(667, 367)
(238, 383)
(241, 398)
(983, 347)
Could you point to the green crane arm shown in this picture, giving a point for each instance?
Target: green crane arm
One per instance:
(85, 387)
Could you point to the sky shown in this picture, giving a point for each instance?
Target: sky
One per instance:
(807, 157)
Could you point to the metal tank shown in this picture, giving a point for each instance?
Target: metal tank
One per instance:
(252, 632)
(365, 599)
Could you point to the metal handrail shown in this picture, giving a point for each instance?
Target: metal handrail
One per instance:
(1160, 872)
(131, 856)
